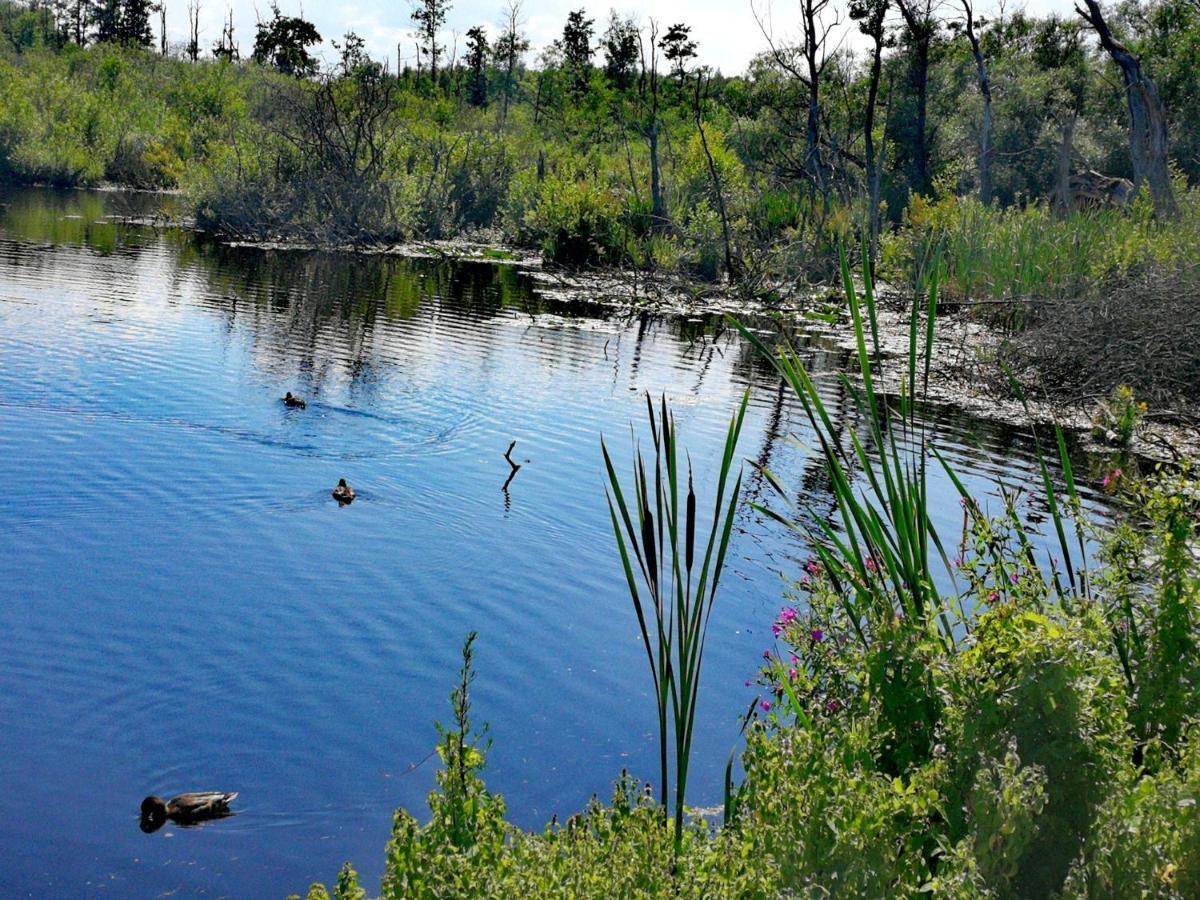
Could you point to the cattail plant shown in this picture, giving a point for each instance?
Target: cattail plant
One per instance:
(672, 599)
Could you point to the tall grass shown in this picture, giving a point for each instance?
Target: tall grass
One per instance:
(673, 599)
(990, 253)
(883, 554)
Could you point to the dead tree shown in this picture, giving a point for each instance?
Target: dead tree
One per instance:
(193, 47)
(648, 89)
(985, 91)
(1147, 118)
(809, 69)
(871, 16)
(715, 176)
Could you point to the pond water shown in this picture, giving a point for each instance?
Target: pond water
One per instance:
(184, 607)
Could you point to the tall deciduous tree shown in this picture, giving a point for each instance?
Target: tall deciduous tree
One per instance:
(477, 55)
(576, 46)
(620, 45)
(283, 41)
(970, 26)
(429, 16)
(509, 48)
(921, 24)
(1147, 118)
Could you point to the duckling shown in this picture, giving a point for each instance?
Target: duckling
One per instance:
(186, 809)
(292, 402)
(343, 493)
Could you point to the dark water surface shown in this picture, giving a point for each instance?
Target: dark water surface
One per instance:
(184, 607)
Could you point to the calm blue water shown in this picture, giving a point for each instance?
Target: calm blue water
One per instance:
(184, 607)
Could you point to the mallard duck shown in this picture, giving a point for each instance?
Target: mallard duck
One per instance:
(292, 402)
(343, 493)
(186, 809)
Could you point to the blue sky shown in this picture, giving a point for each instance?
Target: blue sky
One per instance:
(725, 30)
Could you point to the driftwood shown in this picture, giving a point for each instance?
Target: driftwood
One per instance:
(1091, 190)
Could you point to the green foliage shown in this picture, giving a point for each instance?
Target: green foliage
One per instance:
(677, 588)
(993, 253)
(1118, 418)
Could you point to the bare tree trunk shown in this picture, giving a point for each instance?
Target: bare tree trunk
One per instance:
(658, 203)
(193, 48)
(1065, 148)
(874, 28)
(985, 89)
(1147, 118)
(919, 16)
(162, 26)
(713, 174)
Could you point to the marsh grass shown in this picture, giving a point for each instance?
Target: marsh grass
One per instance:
(672, 598)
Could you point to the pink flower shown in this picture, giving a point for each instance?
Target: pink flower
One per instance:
(792, 674)
(805, 581)
(871, 567)
(817, 635)
(1013, 577)
(958, 562)
(775, 629)
(812, 568)
(993, 597)
(1111, 479)
(832, 706)
(787, 616)
(766, 654)
(766, 706)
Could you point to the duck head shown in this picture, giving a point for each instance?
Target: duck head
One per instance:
(342, 483)
(154, 814)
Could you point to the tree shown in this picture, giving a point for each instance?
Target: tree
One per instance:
(1147, 118)
(355, 63)
(807, 63)
(283, 41)
(193, 44)
(871, 16)
(429, 16)
(226, 48)
(509, 48)
(678, 47)
(620, 45)
(477, 54)
(921, 26)
(985, 91)
(576, 46)
(648, 84)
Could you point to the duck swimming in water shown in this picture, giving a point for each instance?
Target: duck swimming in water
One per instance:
(292, 402)
(343, 493)
(186, 809)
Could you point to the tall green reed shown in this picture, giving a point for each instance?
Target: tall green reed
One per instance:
(673, 599)
(883, 552)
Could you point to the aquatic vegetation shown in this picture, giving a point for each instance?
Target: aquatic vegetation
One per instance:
(675, 600)
(1031, 730)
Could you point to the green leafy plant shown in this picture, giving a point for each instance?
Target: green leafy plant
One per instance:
(673, 589)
